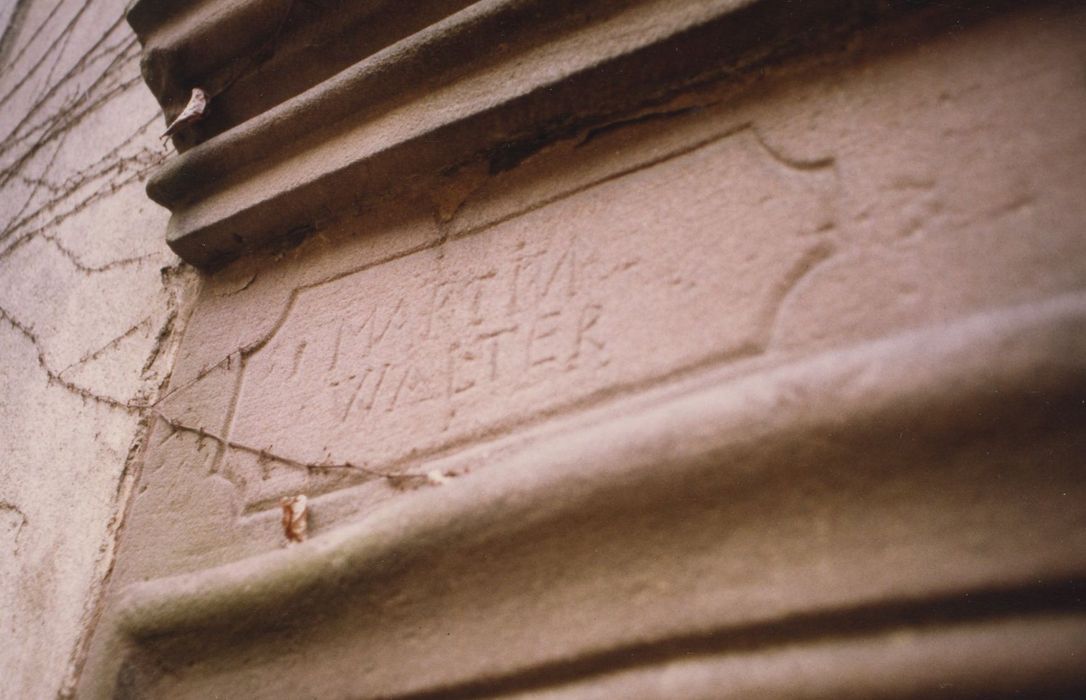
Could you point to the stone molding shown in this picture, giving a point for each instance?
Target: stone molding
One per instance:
(691, 512)
(253, 54)
(483, 86)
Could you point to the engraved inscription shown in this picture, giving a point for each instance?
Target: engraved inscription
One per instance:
(674, 265)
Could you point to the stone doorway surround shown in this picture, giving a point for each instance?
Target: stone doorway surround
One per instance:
(621, 349)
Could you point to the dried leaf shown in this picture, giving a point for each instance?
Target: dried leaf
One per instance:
(193, 112)
(295, 516)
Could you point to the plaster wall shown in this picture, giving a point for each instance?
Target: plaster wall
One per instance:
(89, 304)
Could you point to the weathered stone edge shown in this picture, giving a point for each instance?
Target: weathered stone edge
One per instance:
(1025, 357)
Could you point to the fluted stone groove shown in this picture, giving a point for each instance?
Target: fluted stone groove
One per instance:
(440, 98)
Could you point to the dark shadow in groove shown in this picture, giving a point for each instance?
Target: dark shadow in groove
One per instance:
(1065, 596)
